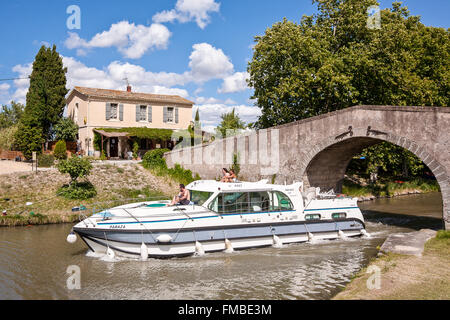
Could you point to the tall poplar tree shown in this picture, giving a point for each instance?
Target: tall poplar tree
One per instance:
(45, 101)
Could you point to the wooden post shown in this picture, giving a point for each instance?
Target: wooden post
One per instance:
(102, 147)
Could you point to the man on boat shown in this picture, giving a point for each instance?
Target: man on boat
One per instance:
(183, 198)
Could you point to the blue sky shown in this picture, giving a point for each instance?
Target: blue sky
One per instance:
(195, 48)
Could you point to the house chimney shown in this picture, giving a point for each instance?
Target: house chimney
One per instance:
(128, 88)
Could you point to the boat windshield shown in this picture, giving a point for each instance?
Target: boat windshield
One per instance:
(200, 197)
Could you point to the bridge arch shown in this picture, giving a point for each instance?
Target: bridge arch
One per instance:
(328, 160)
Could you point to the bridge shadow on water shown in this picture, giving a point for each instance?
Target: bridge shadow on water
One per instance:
(415, 222)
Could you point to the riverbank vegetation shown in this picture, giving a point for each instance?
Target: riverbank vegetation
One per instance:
(154, 161)
(386, 187)
(115, 185)
(405, 277)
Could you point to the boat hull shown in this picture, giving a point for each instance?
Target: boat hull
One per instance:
(213, 239)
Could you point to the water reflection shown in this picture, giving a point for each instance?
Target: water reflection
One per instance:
(33, 263)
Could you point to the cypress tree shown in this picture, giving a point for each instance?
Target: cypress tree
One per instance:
(45, 100)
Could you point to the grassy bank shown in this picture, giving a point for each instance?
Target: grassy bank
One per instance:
(357, 187)
(407, 277)
(115, 185)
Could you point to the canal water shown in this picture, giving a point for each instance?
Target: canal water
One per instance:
(34, 260)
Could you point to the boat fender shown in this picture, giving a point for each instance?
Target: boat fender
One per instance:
(72, 238)
(164, 238)
(342, 235)
(110, 253)
(365, 233)
(199, 250)
(277, 243)
(311, 237)
(228, 246)
(144, 252)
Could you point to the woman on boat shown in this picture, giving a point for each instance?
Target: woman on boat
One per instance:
(226, 175)
(233, 177)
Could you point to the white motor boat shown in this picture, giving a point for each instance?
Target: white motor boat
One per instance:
(222, 217)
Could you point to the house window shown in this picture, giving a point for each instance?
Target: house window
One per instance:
(143, 113)
(170, 114)
(114, 111)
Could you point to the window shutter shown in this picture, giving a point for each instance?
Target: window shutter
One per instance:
(176, 115)
(108, 111)
(138, 113)
(149, 114)
(121, 112)
(165, 114)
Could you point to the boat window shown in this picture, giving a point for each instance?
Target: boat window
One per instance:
(230, 203)
(200, 197)
(339, 215)
(281, 202)
(260, 201)
(310, 217)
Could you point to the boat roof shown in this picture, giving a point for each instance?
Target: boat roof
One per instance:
(213, 186)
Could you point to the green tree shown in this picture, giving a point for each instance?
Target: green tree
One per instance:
(331, 61)
(230, 124)
(76, 167)
(45, 100)
(197, 123)
(29, 136)
(10, 116)
(66, 130)
(60, 152)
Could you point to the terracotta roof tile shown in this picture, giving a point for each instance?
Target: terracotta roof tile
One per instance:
(116, 94)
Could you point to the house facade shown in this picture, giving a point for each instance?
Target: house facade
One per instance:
(101, 111)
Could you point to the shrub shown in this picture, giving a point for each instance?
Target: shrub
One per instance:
(46, 160)
(60, 152)
(154, 159)
(66, 130)
(77, 191)
(135, 149)
(75, 167)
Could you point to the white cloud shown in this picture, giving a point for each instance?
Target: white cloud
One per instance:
(4, 93)
(235, 83)
(203, 100)
(189, 10)
(133, 41)
(4, 87)
(207, 62)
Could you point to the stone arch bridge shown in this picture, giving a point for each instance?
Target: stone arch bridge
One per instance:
(318, 150)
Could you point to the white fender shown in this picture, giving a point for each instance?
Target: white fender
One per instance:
(110, 253)
(199, 250)
(365, 233)
(311, 237)
(144, 252)
(277, 243)
(228, 246)
(72, 238)
(164, 238)
(342, 235)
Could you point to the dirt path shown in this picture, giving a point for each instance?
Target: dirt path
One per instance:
(405, 276)
(9, 167)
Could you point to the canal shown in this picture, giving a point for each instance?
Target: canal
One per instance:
(34, 260)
